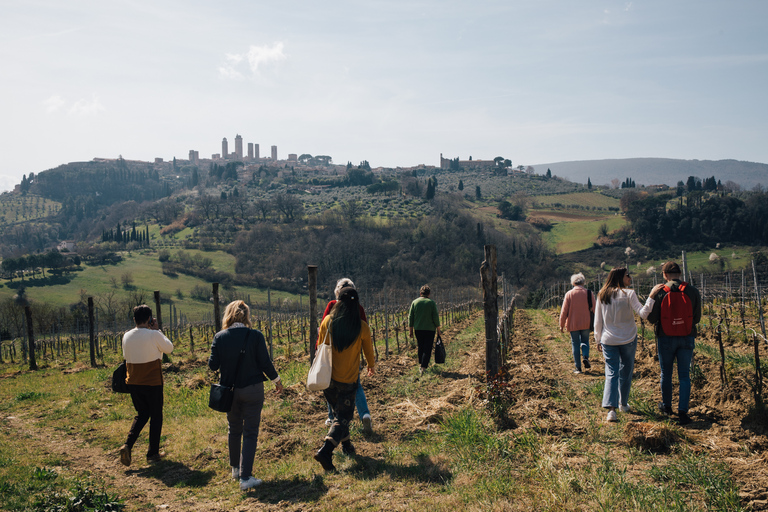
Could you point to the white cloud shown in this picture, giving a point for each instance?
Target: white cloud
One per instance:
(628, 6)
(257, 58)
(229, 72)
(260, 55)
(87, 107)
(54, 103)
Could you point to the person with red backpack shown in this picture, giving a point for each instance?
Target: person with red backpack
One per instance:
(675, 314)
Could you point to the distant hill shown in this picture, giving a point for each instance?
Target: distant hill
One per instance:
(657, 171)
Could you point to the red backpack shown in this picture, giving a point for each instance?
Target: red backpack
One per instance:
(676, 312)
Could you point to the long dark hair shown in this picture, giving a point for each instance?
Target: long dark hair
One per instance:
(345, 319)
(613, 283)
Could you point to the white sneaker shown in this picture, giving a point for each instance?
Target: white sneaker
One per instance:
(367, 423)
(577, 372)
(235, 473)
(612, 416)
(625, 408)
(252, 481)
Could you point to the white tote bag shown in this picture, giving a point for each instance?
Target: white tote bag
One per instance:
(319, 377)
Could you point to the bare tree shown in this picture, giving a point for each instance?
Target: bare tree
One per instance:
(290, 206)
(264, 207)
(208, 204)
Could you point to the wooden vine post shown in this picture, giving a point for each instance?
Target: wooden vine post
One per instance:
(216, 307)
(312, 286)
(758, 373)
(491, 311)
(31, 338)
(91, 332)
(759, 299)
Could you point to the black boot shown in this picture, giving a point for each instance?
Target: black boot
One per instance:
(348, 448)
(325, 456)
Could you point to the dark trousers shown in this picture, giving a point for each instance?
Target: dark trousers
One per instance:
(341, 398)
(148, 402)
(424, 341)
(244, 420)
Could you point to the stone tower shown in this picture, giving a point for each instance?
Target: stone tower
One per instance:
(239, 147)
(274, 153)
(224, 149)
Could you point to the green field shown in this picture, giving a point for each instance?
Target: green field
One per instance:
(579, 199)
(576, 235)
(145, 270)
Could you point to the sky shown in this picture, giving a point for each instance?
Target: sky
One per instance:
(393, 82)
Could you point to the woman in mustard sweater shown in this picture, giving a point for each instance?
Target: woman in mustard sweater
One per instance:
(347, 333)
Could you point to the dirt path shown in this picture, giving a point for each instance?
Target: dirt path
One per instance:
(722, 425)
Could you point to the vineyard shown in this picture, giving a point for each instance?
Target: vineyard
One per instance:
(58, 335)
(448, 440)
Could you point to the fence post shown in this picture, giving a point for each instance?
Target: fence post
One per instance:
(159, 319)
(491, 310)
(216, 310)
(759, 300)
(91, 332)
(269, 320)
(31, 338)
(312, 286)
(758, 373)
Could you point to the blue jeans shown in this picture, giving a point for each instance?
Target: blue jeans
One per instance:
(360, 402)
(619, 365)
(681, 348)
(580, 343)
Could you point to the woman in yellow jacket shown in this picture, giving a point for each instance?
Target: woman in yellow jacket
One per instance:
(347, 333)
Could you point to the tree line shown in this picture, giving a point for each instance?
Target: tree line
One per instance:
(704, 220)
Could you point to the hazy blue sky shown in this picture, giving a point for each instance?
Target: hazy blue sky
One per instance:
(393, 82)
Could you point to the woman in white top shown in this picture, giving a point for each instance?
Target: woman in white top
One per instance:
(616, 336)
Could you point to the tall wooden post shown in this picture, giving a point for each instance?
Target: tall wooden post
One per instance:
(216, 309)
(759, 299)
(312, 285)
(159, 318)
(269, 321)
(158, 311)
(491, 309)
(31, 338)
(91, 325)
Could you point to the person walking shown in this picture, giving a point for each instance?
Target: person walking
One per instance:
(576, 316)
(360, 401)
(675, 314)
(348, 334)
(424, 321)
(143, 349)
(237, 339)
(616, 336)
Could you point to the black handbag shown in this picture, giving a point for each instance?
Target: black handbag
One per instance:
(221, 396)
(439, 351)
(591, 303)
(118, 379)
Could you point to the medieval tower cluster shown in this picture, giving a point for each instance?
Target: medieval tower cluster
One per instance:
(252, 155)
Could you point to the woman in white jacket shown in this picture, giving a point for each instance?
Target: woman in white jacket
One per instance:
(616, 336)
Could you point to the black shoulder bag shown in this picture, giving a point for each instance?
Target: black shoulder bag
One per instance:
(118, 379)
(221, 396)
(591, 313)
